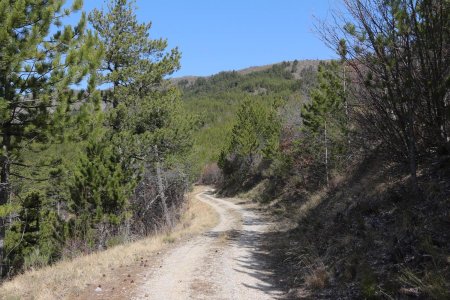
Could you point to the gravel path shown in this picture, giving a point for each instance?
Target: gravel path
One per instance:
(220, 264)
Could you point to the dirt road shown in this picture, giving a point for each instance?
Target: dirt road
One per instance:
(220, 264)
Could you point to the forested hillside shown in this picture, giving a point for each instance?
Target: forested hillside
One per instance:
(216, 99)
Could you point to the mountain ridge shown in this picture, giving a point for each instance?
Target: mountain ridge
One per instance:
(301, 63)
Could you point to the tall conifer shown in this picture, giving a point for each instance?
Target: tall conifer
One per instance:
(39, 61)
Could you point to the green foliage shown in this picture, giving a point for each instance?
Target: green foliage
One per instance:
(254, 139)
(368, 283)
(69, 165)
(216, 100)
(40, 60)
(327, 100)
(101, 186)
(36, 69)
(145, 114)
(35, 237)
(35, 260)
(156, 119)
(131, 58)
(325, 120)
(256, 131)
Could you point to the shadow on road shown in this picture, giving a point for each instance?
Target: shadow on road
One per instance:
(264, 261)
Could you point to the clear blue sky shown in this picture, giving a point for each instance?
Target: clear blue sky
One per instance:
(215, 35)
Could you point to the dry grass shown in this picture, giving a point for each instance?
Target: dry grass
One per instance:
(71, 277)
(311, 203)
(317, 278)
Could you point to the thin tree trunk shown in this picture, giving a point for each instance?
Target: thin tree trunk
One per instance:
(346, 111)
(345, 98)
(4, 195)
(326, 154)
(412, 152)
(161, 188)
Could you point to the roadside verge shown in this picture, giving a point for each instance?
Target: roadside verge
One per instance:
(102, 270)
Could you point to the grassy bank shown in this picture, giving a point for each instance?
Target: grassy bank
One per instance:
(69, 278)
(367, 237)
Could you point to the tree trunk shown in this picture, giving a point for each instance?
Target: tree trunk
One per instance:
(161, 189)
(4, 195)
(347, 116)
(412, 153)
(326, 154)
(115, 100)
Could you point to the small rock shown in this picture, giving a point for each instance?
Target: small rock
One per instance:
(132, 281)
(104, 275)
(146, 295)
(128, 275)
(98, 289)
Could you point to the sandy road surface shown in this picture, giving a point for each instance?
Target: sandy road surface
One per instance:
(220, 264)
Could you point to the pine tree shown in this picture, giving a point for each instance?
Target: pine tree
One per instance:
(132, 59)
(255, 131)
(325, 115)
(100, 188)
(35, 238)
(39, 61)
(142, 112)
(135, 66)
(254, 138)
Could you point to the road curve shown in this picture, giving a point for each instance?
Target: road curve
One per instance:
(220, 264)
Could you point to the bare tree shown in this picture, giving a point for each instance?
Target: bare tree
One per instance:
(399, 51)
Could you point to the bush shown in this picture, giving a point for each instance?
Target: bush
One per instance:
(148, 213)
(211, 175)
(35, 260)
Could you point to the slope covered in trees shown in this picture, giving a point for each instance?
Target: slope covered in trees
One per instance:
(216, 100)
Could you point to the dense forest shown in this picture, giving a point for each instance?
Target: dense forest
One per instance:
(100, 145)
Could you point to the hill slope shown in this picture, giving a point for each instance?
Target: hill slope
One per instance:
(366, 235)
(216, 98)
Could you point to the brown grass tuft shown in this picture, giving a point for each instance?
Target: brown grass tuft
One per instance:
(317, 278)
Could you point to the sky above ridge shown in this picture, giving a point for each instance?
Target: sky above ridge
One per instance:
(216, 36)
